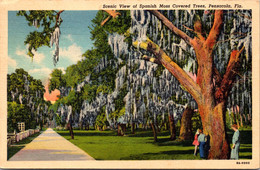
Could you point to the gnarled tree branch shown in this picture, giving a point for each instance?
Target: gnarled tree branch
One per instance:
(103, 22)
(177, 72)
(112, 13)
(229, 77)
(57, 17)
(169, 24)
(215, 30)
(217, 77)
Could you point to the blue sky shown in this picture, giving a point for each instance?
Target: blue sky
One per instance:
(74, 41)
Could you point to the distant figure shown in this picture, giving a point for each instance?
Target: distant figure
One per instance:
(235, 142)
(202, 142)
(196, 142)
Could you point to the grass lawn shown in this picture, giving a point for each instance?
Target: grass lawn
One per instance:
(16, 147)
(105, 145)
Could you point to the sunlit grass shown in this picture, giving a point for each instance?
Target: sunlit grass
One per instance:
(105, 145)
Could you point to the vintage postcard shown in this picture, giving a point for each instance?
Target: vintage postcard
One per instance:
(129, 85)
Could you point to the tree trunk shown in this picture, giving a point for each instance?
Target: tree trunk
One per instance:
(145, 126)
(118, 130)
(213, 121)
(133, 128)
(86, 126)
(154, 132)
(166, 126)
(172, 127)
(212, 104)
(158, 128)
(245, 119)
(121, 128)
(249, 119)
(237, 115)
(71, 130)
(186, 125)
(241, 120)
(81, 125)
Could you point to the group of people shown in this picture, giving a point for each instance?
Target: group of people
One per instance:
(203, 142)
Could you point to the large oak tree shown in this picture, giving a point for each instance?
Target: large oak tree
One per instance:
(211, 99)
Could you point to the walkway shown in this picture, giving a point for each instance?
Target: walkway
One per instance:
(50, 146)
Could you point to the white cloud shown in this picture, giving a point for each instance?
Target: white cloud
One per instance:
(38, 57)
(20, 52)
(69, 37)
(11, 62)
(37, 70)
(62, 69)
(40, 73)
(73, 53)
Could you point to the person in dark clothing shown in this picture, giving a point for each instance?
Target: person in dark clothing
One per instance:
(207, 145)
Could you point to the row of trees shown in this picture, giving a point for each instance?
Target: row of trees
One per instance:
(208, 52)
(25, 101)
(74, 91)
(74, 87)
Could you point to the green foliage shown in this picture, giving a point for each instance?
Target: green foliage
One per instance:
(103, 89)
(89, 92)
(178, 125)
(41, 37)
(196, 122)
(159, 70)
(159, 120)
(119, 103)
(32, 124)
(54, 107)
(74, 75)
(58, 120)
(18, 112)
(16, 82)
(101, 120)
(99, 33)
(57, 80)
(117, 114)
(229, 118)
